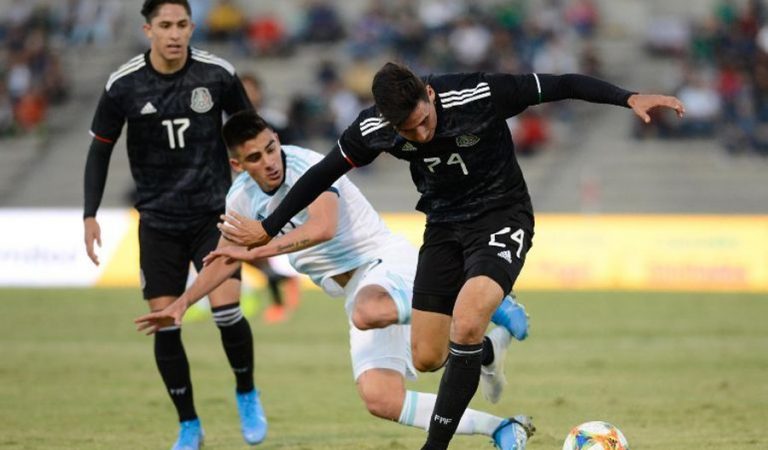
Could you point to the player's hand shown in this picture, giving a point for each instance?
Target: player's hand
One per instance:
(170, 316)
(242, 230)
(211, 257)
(232, 253)
(641, 104)
(92, 233)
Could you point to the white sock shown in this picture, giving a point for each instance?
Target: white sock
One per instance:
(502, 337)
(417, 410)
(402, 298)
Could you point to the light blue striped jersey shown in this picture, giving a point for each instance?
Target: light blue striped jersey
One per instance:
(360, 232)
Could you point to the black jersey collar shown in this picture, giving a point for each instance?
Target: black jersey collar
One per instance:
(285, 173)
(176, 74)
(440, 125)
(438, 105)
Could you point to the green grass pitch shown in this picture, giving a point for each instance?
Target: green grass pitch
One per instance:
(673, 371)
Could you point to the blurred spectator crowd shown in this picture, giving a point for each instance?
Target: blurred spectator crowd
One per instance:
(32, 35)
(723, 81)
(430, 35)
(36, 36)
(723, 58)
(554, 36)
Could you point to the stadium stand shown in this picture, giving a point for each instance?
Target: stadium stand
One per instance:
(594, 168)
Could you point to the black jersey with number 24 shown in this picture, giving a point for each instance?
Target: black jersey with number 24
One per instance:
(177, 156)
(469, 167)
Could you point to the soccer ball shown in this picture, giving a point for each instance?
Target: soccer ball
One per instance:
(595, 436)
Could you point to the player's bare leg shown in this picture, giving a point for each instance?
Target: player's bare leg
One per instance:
(430, 333)
(384, 395)
(382, 392)
(477, 300)
(374, 308)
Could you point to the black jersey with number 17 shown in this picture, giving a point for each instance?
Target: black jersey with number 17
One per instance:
(469, 167)
(177, 156)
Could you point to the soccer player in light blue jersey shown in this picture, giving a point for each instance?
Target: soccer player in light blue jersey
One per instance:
(342, 244)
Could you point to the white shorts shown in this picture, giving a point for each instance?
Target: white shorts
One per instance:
(282, 266)
(390, 347)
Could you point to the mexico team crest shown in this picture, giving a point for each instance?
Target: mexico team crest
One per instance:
(467, 140)
(202, 102)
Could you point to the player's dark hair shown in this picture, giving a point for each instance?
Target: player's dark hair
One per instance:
(397, 91)
(241, 127)
(149, 10)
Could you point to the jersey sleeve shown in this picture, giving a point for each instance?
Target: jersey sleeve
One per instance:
(108, 120)
(356, 145)
(235, 99)
(238, 201)
(297, 164)
(513, 93)
(316, 180)
(95, 176)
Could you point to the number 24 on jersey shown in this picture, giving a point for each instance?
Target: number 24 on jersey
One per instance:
(454, 158)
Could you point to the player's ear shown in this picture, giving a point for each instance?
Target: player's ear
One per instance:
(431, 94)
(147, 28)
(234, 163)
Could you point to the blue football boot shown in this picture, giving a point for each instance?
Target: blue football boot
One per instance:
(190, 435)
(513, 433)
(512, 316)
(253, 422)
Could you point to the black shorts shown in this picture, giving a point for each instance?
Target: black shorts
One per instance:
(493, 244)
(165, 255)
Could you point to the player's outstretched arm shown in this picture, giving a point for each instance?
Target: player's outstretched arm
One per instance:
(307, 188)
(641, 104)
(243, 231)
(322, 219)
(234, 252)
(583, 87)
(171, 315)
(207, 280)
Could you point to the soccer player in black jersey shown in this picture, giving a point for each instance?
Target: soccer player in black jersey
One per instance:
(172, 98)
(452, 130)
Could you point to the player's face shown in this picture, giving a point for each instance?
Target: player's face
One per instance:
(262, 159)
(421, 124)
(169, 33)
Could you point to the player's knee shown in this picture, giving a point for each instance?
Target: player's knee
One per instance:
(427, 365)
(363, 318)
(427, 358)
(382, 405)
(467, 330)
(374, 308)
